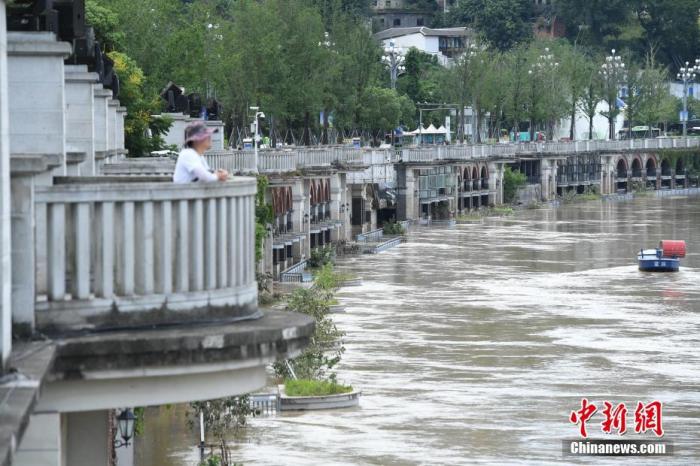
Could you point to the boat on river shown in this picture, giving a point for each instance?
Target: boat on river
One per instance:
(666, 258)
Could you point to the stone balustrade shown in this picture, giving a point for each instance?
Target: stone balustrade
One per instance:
(131, 253)
(231, 161)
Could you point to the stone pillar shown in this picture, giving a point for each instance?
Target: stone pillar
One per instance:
(41, 443)
(101, 138)
(407, 200)
(87, 438)
(299, 223)
(36, 76)
(5, 243)
(335, 196)
(496, 183)
(121, 135)
(80, 117)
(345, 208)
(24, 178)
(112, 129)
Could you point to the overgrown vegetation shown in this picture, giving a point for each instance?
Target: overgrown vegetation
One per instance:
(306, 387)
(393, 228)
(222, 418)
(321, 256)
(263, 217)
(512, 181)
(326, 347)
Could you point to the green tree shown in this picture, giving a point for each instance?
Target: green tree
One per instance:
(502, 23)
(512, 181)
(382, 110)
(591, 96)
(670, 27)
(603, 19)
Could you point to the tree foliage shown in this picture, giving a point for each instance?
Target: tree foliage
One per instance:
(502, 23)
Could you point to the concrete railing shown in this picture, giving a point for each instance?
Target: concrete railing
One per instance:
(231, 161)
(371, 236)
(152, 166)
(289, 160)
(131, 253)
(294, 274)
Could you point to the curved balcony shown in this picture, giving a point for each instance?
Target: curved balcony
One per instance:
(125, 254)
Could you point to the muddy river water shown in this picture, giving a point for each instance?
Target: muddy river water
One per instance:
(473, 344)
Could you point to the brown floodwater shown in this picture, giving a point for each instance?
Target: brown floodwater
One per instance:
(473, 344)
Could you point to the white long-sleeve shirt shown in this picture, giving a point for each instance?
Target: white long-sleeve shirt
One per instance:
(191, 167)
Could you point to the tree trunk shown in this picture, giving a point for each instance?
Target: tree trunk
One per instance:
(572, 132)
(590, 127)
(273, 135)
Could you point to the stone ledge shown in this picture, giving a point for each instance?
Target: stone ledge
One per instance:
(36, 44)
(31, 164)
(275, 335)
(19, 392)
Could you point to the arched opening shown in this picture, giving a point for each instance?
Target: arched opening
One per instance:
(621, 175)
(651, 172)
(666, 175)
(484, 178)
(621, 169)
(636, 168)
(680, 167)
(651, 167)
(467, 179)
(665, 168)
(680, 173)
(475, 178)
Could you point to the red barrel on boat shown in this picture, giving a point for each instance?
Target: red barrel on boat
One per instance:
(671, 248)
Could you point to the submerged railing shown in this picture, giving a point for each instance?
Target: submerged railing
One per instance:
(113, 254)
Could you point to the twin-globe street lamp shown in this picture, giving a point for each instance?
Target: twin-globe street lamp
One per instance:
(256, 135)
(614, 76)
(394, 60)
(687, 75)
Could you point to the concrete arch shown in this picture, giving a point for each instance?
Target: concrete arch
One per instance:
(636, 167)
(621, 168)
(665, 167)
(680, 166)
(651, 166)
(484, 177)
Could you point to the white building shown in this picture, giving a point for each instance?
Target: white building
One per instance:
(581, 130)
(445, 44)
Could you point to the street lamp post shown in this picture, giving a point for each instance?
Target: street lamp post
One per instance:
(687, 75)
(394, 60)
(614, 75)
(256, 137)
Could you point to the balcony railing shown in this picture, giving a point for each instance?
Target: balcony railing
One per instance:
(131, 253)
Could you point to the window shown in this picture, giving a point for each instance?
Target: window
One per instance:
(419, 21)
(381, 21)
(397, 21)
(387, 4)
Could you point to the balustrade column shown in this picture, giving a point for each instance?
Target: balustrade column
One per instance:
(145, 248)
(211, 251)
(197, 247)
(104, 254)
(222, 230)
(233, 246)
(126, 250)
(164, 249)
(56, 234)
(81, 265)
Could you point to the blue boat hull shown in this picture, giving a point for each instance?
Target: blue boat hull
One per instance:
(664, 264)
